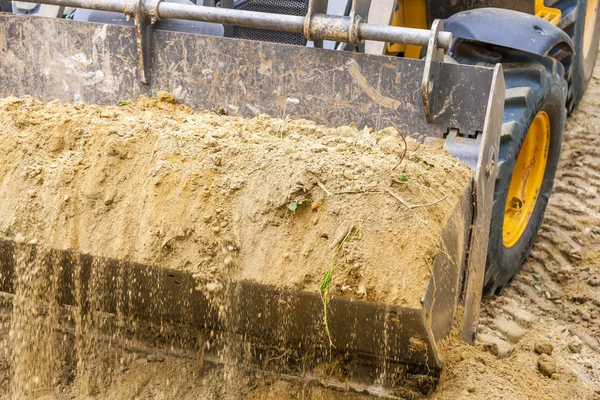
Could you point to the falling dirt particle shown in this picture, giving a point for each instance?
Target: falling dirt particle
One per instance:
(19, 238)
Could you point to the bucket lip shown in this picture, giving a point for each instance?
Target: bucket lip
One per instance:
(270, 314)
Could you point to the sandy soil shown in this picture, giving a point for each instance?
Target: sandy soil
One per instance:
(551, 307)
(259, 199)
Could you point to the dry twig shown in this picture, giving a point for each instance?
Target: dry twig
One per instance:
(413, 206)
(405, 145)
(322, 186)
(400, 199)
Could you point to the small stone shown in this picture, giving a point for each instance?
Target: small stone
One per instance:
(31, 193)
(349, 175)
(594, 281)
(470, 388)
(543, 348)
(481, 369)
(548, 295)
(588, 364)
(211, 141)
(286, 255)
(575, 346)
(464, 355)
(228, 260)
(555, 376)
(546, 365)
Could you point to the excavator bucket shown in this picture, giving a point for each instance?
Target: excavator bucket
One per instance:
(103, 64)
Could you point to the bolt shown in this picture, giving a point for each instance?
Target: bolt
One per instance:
(516, 204)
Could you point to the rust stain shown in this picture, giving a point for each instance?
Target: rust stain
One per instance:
(377, 97)
(389, 66)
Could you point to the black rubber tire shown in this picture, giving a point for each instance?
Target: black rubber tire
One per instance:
(6, 6)
(579, 68)
(533, 84)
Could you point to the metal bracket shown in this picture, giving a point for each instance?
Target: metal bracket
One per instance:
(358, 12)
(433, 61)
(145, 14)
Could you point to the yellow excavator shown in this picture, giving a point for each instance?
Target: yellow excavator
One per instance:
(496, 79)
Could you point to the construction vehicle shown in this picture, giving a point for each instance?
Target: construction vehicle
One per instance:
(494, 78)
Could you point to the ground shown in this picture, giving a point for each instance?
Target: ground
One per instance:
(539, 340)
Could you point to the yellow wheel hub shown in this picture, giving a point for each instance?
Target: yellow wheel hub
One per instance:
(591, 13)
(526, 182)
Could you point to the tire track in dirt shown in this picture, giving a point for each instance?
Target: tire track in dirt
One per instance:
(558, 287)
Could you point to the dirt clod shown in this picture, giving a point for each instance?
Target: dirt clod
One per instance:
(546, 365)
(544, 347)
(575, 346)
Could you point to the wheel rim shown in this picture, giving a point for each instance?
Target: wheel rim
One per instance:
(527, 178)
(590, 26)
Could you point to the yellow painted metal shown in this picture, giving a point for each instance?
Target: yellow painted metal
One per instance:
(591, 14)
(526, 180)
(410, 14)
(552, 15)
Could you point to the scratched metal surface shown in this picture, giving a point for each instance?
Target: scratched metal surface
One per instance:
(59, 59)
